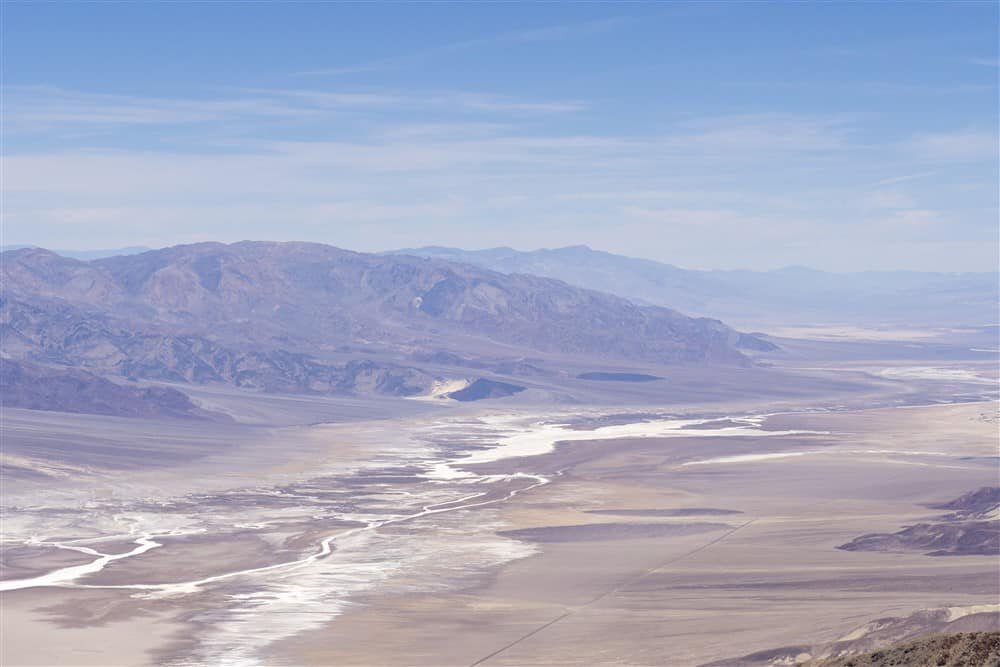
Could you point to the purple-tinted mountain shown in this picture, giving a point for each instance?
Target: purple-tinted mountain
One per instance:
(26, 385)
(298, 317)
(785, 296)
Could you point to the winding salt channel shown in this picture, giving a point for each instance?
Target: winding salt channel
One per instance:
(68, 575)
(530, 437)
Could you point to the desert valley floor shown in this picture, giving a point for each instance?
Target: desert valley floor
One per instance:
(336, 532)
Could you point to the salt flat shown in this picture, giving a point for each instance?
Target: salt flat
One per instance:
(500, 533)
(768, 577)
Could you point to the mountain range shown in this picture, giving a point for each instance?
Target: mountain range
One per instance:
(85, 255)
(311, 318)
(789, 296)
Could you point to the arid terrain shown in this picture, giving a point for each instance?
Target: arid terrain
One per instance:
(322, 530)
(483, 333)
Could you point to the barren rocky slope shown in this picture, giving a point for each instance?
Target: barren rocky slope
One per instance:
(965, 649)
(300, 317)
(973, 528)
(25, 385)
(785, 296)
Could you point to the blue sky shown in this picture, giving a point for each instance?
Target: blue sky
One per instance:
(842, 136)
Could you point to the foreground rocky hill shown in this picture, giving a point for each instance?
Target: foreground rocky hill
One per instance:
(965, 649)
(299, 317)
(955, 636)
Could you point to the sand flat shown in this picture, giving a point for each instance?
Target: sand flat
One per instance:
(774, 579)
(47, 627)
(640, 544)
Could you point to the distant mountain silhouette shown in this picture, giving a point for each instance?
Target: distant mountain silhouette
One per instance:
(86, 255)
(792, 295)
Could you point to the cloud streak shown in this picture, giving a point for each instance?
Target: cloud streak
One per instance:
(481, 169)
(984, 62)
(532, 35)
(892, 180)
(36, 109)
(956, 146)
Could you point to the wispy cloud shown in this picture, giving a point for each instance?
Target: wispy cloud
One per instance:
(910, 218)
(716, 218)
(767, 131)
(470, 169)
(480, 102)
(881, 88)
(542, 34)
(466, 101)
(985, 62)
(42, 108)
(889, 199)
(892, 180)
(958, 146)
(742, 149)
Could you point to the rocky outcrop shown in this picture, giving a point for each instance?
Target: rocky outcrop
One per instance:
(964, 649)
(484, 388)
(972, 529)
(68, 390)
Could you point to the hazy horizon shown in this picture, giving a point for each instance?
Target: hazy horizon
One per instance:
(87, 253)
(837, 136)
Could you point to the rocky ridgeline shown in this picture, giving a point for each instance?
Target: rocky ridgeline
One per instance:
(310, 318)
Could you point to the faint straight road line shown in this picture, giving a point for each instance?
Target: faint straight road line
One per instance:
(611, 591)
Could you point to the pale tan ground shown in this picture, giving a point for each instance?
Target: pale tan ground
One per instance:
(847, 332)
(769, 576)
(773, 578)
(101, 638)
(22, 562)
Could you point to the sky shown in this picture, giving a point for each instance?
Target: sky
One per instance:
(840, 136)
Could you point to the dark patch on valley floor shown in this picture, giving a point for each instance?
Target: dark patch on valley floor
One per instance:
(610, 531)
(784, 655)
(718, 423)
(684, 511)
(593, 423)
(483, 388)
(972, 530)
(969, 538)
(618, 377)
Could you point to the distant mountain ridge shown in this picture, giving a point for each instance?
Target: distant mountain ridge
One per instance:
(792, 295)
(85, 255)
(298, 317)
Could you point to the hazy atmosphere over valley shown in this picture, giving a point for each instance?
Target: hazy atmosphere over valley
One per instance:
(459, 334)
